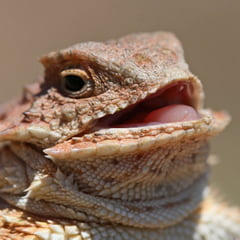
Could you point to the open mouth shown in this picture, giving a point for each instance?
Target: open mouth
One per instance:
(173, 103)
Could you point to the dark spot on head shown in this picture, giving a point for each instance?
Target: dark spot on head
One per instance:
(141, 59)
(114, 162)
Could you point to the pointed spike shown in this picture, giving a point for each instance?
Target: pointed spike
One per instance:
(59, 175)
(69, 180)
(43, 234)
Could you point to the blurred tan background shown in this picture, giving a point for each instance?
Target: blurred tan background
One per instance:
(209, 30)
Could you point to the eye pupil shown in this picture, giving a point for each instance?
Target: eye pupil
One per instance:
(73, 83)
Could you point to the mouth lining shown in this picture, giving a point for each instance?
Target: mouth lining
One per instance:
(173, 103)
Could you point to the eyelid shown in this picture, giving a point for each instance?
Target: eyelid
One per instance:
(76, 72)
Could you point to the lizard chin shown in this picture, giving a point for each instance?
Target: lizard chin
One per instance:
(173, 103)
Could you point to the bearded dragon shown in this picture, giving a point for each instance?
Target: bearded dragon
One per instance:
(112, 144)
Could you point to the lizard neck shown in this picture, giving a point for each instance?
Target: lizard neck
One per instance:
(153, 189)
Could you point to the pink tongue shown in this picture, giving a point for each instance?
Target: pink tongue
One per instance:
(172, 113)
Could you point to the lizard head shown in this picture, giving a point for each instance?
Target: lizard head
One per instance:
(139, 83)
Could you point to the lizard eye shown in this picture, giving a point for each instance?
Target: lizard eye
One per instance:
(73, 83)
(76, 83)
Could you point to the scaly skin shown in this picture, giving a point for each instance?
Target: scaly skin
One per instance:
(67, 173)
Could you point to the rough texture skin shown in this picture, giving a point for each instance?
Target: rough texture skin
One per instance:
(64, 175)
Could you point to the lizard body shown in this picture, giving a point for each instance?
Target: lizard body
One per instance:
(112, 144)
